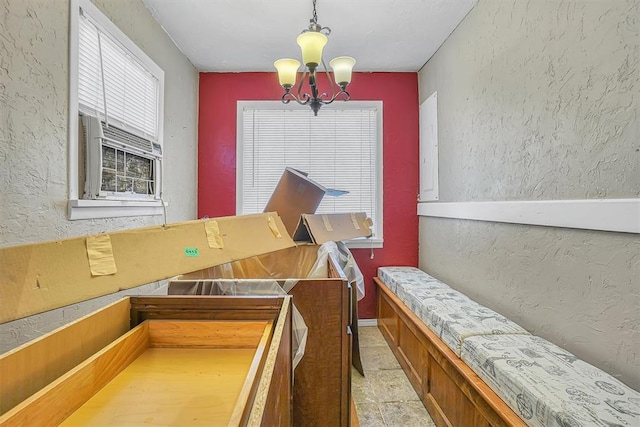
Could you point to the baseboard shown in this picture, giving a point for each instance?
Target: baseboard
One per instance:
(367, 322)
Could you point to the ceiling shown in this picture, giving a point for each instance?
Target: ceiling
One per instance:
(248, 35)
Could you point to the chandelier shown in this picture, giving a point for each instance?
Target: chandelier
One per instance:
(311, 42)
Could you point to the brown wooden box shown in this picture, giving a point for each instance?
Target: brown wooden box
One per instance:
(452, 393)
(157, 361)
(322, 386)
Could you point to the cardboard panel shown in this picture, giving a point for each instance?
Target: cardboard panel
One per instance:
(296, 198)
(43, 276)
(295, 194)
(332, 227)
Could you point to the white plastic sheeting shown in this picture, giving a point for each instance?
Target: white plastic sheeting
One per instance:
(346, 262)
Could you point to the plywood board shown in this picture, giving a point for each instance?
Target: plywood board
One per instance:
(206, 334)
(43, 276)
(28, 368)
(177, 386)
(57, 401)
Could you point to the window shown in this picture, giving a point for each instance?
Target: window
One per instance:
(341, 148)
(115, 125)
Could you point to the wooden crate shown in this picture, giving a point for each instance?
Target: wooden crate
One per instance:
(322, 386)
(157, 361)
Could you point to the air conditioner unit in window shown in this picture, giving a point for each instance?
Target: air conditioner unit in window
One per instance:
(120, 165)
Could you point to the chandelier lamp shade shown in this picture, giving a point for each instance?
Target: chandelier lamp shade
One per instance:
(312, 42)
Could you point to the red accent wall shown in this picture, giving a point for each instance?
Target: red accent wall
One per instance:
(399, 93)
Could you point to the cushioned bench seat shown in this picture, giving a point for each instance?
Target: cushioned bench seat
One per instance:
(543, 384)
(448, 313)
(548, 386)
(408, 277)
(454, 317)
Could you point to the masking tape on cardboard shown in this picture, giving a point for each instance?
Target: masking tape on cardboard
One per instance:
(327, 224)
(368, 222)
(355, 221)
(100, 255)
(213, 235)
(274, 227)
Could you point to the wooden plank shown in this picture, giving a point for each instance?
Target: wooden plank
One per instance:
(30, 367)
(282, 331)
(347, 357)
(434, 409)
(415, 356)
(54, 403)
(205, 334)
(186, 303)
(319, 377)
(354, 415)
(279, 404)
(247, 393)
(43, 276)
(457, 408)
(204, 307)
(170, 386)
(388, 321)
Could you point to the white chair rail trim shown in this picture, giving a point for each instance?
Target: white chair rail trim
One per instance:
(619, 215)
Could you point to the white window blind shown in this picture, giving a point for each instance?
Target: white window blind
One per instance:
(337, 148)
(114, 81)
(131, 91)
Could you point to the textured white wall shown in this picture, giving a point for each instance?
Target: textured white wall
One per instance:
(541, 100)
(34, 91)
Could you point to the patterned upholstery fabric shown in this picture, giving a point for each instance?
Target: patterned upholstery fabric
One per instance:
(448, 313)
(410, 293)
(548, 386)
(455, 317)
(407, 276)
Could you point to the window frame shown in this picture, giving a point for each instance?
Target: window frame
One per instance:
(377, 240)
(79, 208)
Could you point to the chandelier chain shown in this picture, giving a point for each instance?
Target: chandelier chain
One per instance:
(315, 15)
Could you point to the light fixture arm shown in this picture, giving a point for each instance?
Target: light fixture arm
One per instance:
(315, 101)
(312, 46)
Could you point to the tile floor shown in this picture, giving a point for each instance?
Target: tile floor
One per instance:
(384, 397)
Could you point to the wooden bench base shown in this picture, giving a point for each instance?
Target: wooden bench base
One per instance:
(452, 393)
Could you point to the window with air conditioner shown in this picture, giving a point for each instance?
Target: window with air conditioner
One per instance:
(116, 116)
(119, 164)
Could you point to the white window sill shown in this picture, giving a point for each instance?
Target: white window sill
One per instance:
(93, 209)
(375, 243)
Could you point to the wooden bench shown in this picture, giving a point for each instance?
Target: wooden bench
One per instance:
(452, 393)
(472, 366)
